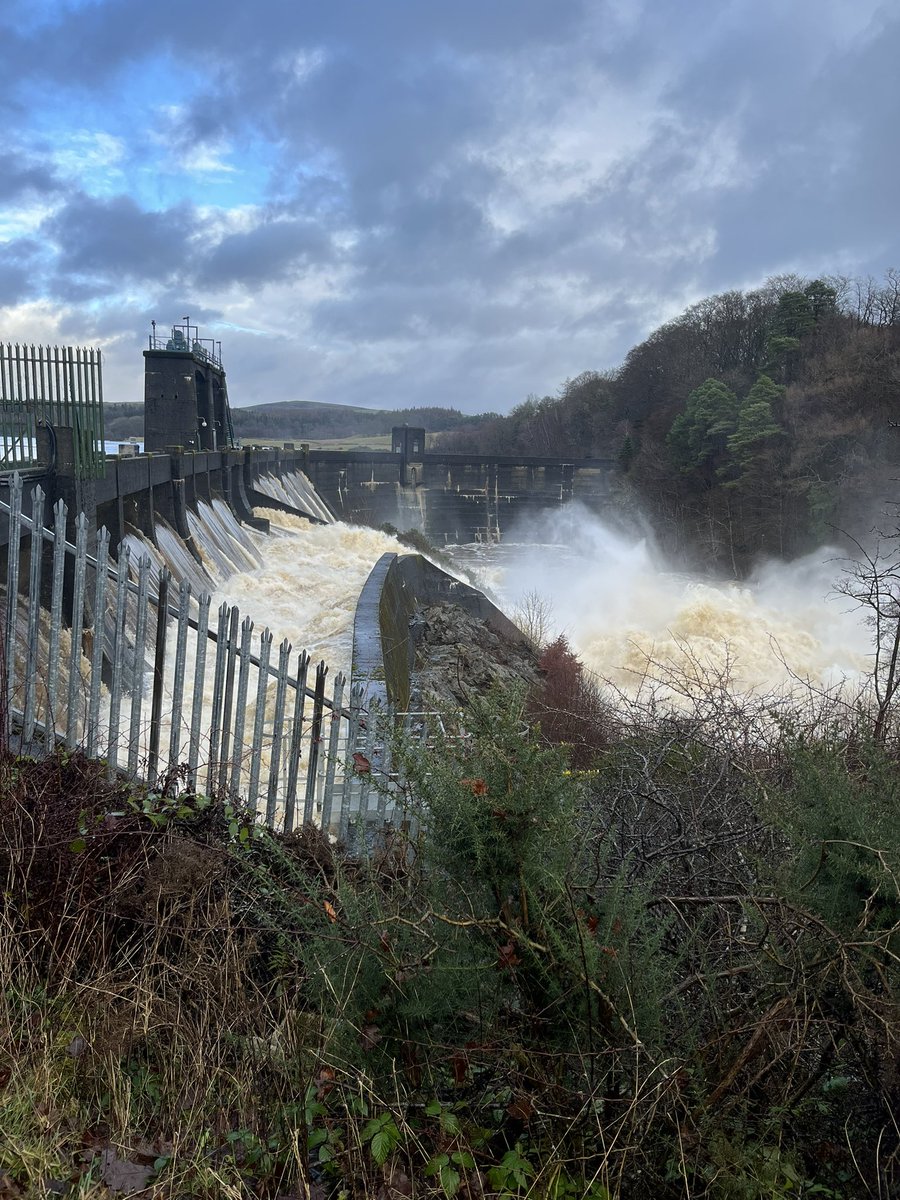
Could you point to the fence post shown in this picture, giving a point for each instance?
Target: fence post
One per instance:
(137, 675)
(296, 742)
(12, 595)
(76, 627)
(315, 740)
(184, 598)
(331, 760)
(228, 703)
(199, 681)
(240, 716)
(262, 683)
(36, 560)
(215, 729)
(100, 584)
(117, 682)
(284, 656)
(159, 667)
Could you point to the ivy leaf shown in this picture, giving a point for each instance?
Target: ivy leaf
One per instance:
(450, 1123)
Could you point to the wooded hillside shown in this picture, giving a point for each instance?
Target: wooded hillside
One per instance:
(752, 424)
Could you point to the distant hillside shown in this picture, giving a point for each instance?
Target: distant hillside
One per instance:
(304, 420)
(753, 425)
(122, 421)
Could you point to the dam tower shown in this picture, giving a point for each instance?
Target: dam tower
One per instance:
(185, 395)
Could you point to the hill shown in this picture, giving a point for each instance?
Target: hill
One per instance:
(753, 424)
(303, 420)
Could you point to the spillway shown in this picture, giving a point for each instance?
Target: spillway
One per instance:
(646, 628)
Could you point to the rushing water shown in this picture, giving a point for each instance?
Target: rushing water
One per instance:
(307, 583)
(637, 622)
(633, 619)
(300, 580)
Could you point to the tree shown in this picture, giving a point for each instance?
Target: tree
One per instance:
(699, 434)
(627, 453)
(755, 435)
(793, 316)
(872, 579)
(821, 298)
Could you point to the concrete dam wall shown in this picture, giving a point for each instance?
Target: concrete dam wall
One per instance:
(453, 498)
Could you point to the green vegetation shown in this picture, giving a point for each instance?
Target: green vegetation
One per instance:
(669, 970)
(752, 424)
(123, 420)
(308, 421)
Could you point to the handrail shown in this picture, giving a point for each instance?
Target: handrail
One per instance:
(171, 610)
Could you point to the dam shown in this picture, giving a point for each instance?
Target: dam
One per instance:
(122, 636)
(222, 617)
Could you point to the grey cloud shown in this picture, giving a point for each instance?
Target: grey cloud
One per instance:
(274, 250)
(14, 282)
(171, 305)
(108, 34)
(108, 240)
(19, 176)
(386, 141)
(19, 270)
(823, 186)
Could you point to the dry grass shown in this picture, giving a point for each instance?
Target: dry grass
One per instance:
(183, 1014)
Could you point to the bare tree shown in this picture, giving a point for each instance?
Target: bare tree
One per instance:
(534, 616)
(872, 580)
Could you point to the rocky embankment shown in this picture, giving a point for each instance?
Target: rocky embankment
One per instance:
(458, 656)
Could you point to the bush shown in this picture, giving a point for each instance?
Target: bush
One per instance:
(673, 973)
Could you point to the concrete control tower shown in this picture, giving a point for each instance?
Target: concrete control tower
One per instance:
(185, 397)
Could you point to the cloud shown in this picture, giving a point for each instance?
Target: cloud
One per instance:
(272, 250)
(88, 152)
(108, 241)
(470, 201)
(20, 177)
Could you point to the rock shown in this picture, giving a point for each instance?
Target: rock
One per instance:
(458, 655)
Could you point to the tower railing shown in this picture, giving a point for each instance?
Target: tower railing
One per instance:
(185, 339)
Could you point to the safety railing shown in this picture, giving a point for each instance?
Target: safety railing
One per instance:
(51, 385)
(172, 693)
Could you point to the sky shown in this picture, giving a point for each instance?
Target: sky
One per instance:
(400, 202)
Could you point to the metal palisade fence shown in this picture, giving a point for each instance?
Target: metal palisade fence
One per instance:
(59, 387)
(120, 660)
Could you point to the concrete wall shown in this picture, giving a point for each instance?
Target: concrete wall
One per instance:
(453, 498)
(137, 489)
(384, 646)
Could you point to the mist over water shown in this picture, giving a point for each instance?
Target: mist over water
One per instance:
(634, 619)
(637, 621)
